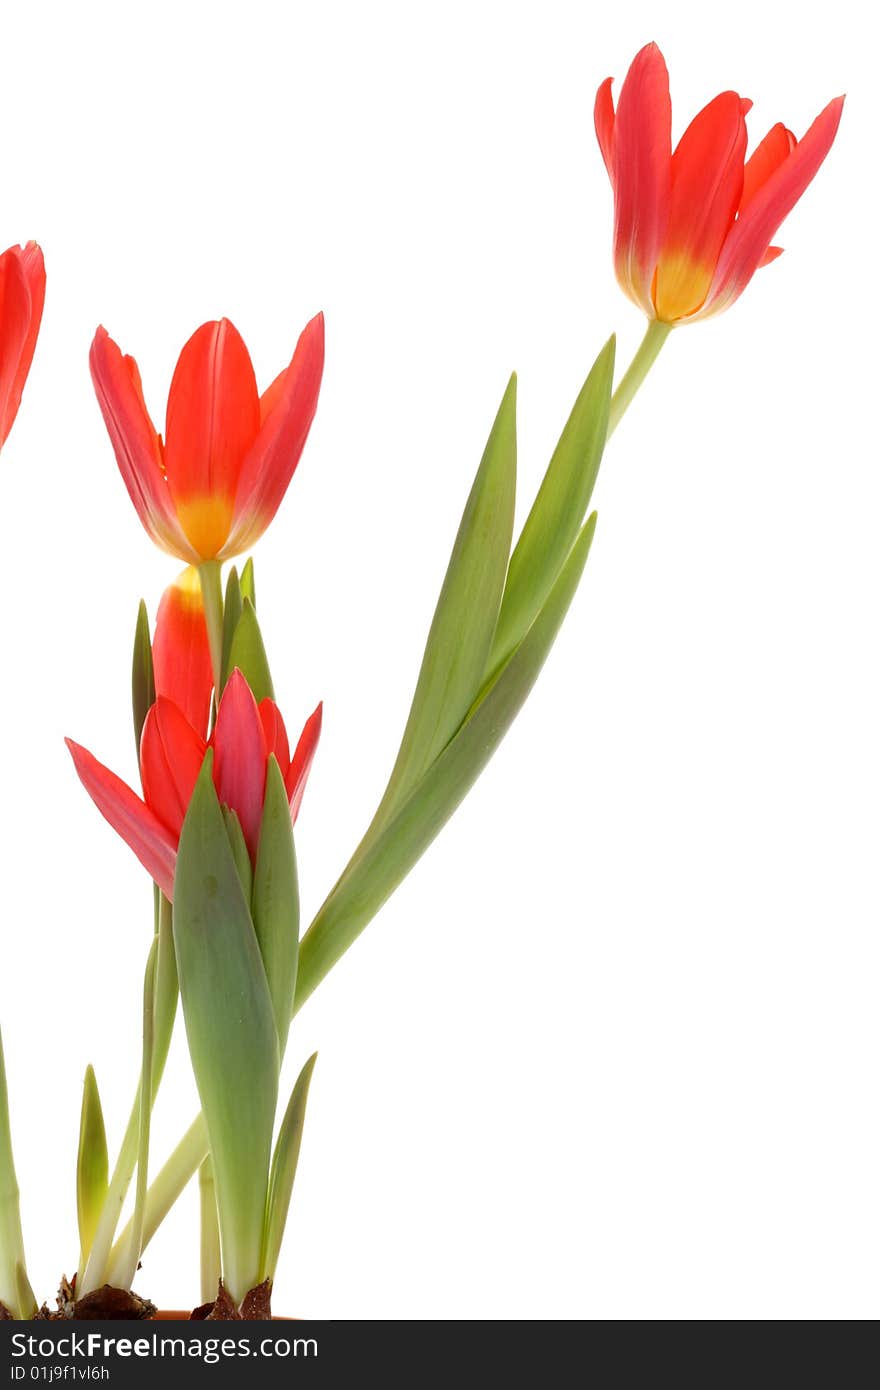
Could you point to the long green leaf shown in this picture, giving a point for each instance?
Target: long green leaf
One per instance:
(463, 627)
(248, 653)
(12, 1261)
(371, 878)
(230, 1028)
(143, 684)
(92, 1164)
(558, 510)
(275, 900)
(284, 1163)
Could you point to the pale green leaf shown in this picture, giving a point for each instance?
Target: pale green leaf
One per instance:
(371, 877)
(92, 1164)
(284, 1164)
(559, 509)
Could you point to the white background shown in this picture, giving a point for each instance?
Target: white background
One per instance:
(611, 1052)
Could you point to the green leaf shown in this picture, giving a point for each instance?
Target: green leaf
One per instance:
(249, 654)
(92, 1166)
(275, 900)
(454, 663)
(370, 878)
(558, 510)
(231, 615)
(230, 1027)
(143, 684)
(284, 1163)
(12, 1261)
(248, 584)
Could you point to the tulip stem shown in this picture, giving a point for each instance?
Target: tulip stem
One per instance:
(647, 354)
(212, 597)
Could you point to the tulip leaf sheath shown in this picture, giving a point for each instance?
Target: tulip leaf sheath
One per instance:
(372, 877)
(230, 1026)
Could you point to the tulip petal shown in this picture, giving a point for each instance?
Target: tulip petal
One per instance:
(641, 173)
(275, 453)
(33, 275)
(301, 762)
(240, 757)
(707, 181)
(276, 734)
(773, 151)
(212, 420)
(181, 651)
(142, 831)
(603, 118)
(749, 237)
(136, 444)
(15, 300)
(172, 753)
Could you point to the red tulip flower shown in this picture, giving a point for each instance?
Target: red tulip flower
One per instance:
(691, 226)
(246, 735)
(22, 291)
(210, 489)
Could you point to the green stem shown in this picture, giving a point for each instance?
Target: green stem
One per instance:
(166, 1187)
(647, 354)
(146, 1106)
(14, 1288)
(212, 597)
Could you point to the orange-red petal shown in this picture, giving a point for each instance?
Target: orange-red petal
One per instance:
(707, 181)
(275, 733)
(773, 151)
(603, 118)
(301, 762)
(275, 453)
(641, 173)
(143, 832)
(240, 757)
(172, 753)
(181, 651)
(22, 291)
(15, 299)
(749, 238)
(135, 443)
(212, 420)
